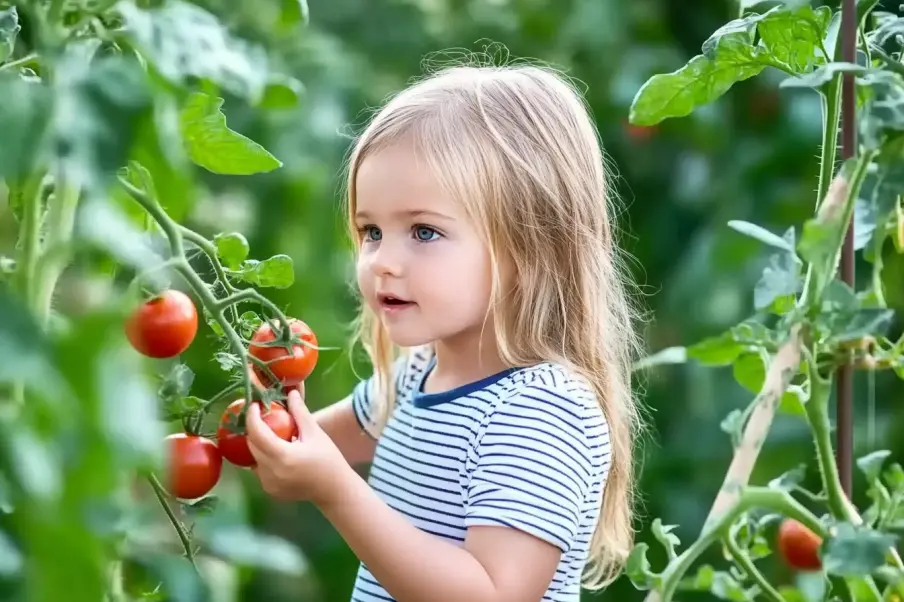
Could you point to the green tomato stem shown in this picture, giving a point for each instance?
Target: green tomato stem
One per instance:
(746, 563)
(173, 232)
(161, 494)
(753, 497)
(831, 111)
(250, 294)
(210, 250)
(61, 221)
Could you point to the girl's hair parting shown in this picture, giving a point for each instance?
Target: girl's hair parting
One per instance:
(516, 145)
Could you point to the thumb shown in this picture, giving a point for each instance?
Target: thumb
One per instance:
(300, 412)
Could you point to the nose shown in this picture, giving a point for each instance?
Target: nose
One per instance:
(387, 259)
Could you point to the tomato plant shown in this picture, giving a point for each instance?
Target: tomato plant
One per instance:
(112, 121)
(163, 326)
(807, 322)
(231, 439)
(280, 358)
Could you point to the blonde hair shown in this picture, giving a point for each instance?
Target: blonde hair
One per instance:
(516, 145)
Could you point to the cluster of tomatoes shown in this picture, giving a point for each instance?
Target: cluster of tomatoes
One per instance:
(164, 327)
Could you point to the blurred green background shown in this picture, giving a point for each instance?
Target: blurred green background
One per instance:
(751, 156)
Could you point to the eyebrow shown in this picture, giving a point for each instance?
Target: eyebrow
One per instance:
(410, 213)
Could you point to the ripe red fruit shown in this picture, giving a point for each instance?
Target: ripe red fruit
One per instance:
(289, 369)
(799, 546)
(234, 446)
(164, 326)
(195, 465)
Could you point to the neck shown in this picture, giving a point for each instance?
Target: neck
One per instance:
(459, 362)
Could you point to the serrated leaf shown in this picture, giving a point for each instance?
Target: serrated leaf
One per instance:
(855, 551)
(866, 321)
(215, 147)
(790, 480)
(664, 535)
(184, 43)
(232, 248)
(9, 30)
(883, 110)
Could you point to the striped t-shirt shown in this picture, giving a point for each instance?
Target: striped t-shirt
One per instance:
(526, 448)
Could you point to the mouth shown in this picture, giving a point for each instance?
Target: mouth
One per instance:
(393, 302)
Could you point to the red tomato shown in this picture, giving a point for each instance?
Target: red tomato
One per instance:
(234, 446)
(799, 546)
(195, 464)
(164, 326)
(289, 369)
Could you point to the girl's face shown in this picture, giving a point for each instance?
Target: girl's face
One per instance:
(422, 267)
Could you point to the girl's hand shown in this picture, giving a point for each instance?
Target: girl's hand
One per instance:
(309, 468)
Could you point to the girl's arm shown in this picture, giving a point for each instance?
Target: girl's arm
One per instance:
(338, 421)
(496, 564)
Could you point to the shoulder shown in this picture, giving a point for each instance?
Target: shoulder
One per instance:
(548, 404)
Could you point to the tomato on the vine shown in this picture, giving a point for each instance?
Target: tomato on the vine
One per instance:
(164, 326)
(799, 546)
(234, 446)
(195, 465)
(289, 369)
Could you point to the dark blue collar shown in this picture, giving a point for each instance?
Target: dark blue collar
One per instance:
(426, 400)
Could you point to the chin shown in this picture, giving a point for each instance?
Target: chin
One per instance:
(401, 338)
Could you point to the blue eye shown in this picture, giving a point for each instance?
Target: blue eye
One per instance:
(372, 233)
(425, 233)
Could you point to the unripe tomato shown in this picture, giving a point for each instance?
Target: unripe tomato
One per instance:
(234, 446)
(164, 326)
(290, 369)
(195, 465)
(799, 546)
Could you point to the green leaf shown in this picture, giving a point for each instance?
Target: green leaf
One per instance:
(871, 464)
(763, 235)
(277, 272)
(669, 355)
(215, 147)
(867, 321)
(795, 37)
(790, 480)
(855, 551)
(9, 30)
(720, 584)
(812, 585)
(780, 279)
(882, 116)
(638, 568)
(733, 426)
(663, 534)
(232, 248)
(282, 92)
(24, 121)
(293, 13)
(26, 354)
(185, 43)
(11, 562)
(702, 80)
(98, 111)
(241, 545)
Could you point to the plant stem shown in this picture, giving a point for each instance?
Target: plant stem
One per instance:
(753, 497)
(61, 220)
(741, 557)
(250, 294)
(174, 233)
(31, 194)
(161, 494)
(210, 250)
(831, 112)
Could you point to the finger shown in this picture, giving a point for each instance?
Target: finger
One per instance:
(299, 410)
(260, 436)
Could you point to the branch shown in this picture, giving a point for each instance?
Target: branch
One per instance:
(784, 366)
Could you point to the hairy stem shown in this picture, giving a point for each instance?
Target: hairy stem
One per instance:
(161, 494)
(753, 497)
(211, 251)
(746, 563)
(250, 294)
(31, 195)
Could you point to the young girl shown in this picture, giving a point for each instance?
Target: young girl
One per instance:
(501, 438)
